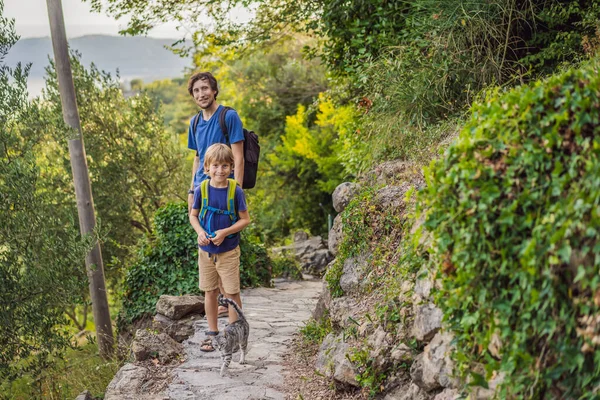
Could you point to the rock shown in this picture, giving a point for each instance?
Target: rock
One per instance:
(409, 392)
(85, 395)
(396, 171)
(335, 235)
(180, 329)
(332, 360)
(423, 286)
(300, 236)
(341, 310)
(176, 307)
(343, 194)
(433, 368)
(402, 354)
(322, 308)
(355, 268)
(312, 254)
(392, 197)
(447, 394)
(148, 344)
(127, 382)
(428, 321)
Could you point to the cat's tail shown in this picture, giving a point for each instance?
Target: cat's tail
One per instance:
(224, 301)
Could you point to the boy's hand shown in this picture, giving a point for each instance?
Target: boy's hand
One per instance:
(218, 238)
(202, 240)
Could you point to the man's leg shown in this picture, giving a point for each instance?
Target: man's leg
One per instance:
(221, 309)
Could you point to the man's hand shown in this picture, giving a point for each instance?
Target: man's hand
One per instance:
(218, 238)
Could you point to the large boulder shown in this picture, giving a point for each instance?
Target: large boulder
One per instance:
(433, 369)
(343, 194)
(332, 360)
(312, 254)
(133, 382)
(322, 308)
(148, 344)
(391, 172)
(180, 329)
(392, 197)
(176, 307)
(336, 235)
(448, 394)
(428, 321)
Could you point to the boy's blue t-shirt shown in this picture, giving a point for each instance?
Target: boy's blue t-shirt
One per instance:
(217, 198)
(209, 132)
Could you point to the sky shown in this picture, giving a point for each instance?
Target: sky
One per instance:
(31, 20)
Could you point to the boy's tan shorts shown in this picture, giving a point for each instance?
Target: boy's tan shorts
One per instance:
(224, 265)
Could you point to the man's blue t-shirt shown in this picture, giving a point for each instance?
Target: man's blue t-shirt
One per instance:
(209, 132)
(217, 198)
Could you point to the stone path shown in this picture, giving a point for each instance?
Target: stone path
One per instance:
(274, 314)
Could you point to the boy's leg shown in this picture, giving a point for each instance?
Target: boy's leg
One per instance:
(238, 299)
(228, 268)
(209, 284)
(210, 307)
(221, 309)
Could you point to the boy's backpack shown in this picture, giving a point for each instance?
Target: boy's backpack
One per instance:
(204, 208)
(251, 149)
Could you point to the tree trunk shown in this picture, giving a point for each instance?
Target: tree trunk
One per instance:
(83, 190)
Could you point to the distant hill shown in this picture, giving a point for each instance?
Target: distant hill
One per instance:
(134, 57)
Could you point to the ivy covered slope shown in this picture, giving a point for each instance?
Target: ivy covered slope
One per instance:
(515, 210)
(167, 263)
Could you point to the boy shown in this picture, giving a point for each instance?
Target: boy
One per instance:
(218, 236)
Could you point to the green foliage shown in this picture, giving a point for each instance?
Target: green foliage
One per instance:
(514, 207)
(41, 253)
(81, 368)
(369, 376)
(286, 266)
(135, 165)
(315, 331)
(167, 263)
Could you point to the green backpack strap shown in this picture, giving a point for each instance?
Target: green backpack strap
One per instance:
(204, 198)
(232, 184)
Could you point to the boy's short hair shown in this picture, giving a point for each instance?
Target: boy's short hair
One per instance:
(218, 152)
(203, 76)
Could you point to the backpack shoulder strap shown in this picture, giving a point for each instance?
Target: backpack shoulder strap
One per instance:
(204, 198)
(195, 121)
(231, 186)
(222, 123)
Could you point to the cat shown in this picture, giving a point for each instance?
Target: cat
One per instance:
(234, 335)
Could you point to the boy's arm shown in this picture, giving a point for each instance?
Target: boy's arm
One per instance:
(241, 223)
(202, 240)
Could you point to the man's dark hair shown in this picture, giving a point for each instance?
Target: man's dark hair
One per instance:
(204, 76)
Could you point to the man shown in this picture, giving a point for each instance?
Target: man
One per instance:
(202, 86)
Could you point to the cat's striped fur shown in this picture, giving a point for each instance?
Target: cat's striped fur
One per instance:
(233, 336)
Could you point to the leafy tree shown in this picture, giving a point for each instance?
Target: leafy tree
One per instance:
(41, 253)
(135, 164)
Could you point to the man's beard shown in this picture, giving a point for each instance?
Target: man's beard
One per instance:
(210, 103)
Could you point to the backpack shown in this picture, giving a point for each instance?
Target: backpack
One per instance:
(251, 149)
(204, 208)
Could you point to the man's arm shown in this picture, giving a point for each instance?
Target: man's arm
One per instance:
(191, 195)
(238, 161)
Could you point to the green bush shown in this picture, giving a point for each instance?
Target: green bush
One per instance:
(515, 210)
(167, 263)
